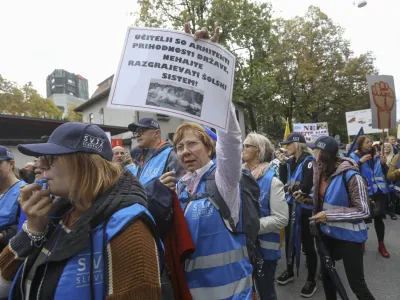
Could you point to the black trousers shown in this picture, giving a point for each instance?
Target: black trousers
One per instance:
(307, 241)
(380, 201)
(352, 256)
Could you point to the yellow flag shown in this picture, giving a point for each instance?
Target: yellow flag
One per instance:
(287, 131)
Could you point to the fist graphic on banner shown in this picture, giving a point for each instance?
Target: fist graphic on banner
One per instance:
(384, 100)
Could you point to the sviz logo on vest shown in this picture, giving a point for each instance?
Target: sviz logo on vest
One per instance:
(264, 198)
(152, 172)
(202, 209)
(83, 271)
(92, 142)
(321, 145)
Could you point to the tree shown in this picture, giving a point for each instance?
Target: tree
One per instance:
(25, 101)
(74, 116)
(318, 77)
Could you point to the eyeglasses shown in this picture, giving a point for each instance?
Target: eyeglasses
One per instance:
(191, 145)
(246, 146)
(140, 131)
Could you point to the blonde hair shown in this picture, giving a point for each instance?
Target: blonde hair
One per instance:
(391, 154)
(198, 131)
(302, 147)
(90, 174)
(264, 146)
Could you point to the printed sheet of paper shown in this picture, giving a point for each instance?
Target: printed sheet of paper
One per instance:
(168, 72)
(311, 131)
(383, 101)
(360, 118)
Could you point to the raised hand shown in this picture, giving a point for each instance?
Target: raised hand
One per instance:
(204, 34)
(384, 100)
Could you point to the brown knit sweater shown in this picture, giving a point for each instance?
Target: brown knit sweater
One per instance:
(133, 273)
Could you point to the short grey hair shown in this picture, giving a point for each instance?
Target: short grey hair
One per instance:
(264, 146)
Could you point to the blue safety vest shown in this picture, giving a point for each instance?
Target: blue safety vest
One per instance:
(153, 168)
(336, 196)
(74, 282)
(375, 178)
(220, 267)
(397, 183)
(295, 179)
(269, 242)
(132, 168)
(9, 205)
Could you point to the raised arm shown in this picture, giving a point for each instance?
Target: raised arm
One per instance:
(229, 164)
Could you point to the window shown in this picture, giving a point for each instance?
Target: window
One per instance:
(101, 112)
(71, 82)
(71, 93)
(53, 87)
(91, 118)
(52, 81)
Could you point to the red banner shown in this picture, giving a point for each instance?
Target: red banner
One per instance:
(116, 142)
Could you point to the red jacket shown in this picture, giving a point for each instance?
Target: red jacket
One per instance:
(178, 247)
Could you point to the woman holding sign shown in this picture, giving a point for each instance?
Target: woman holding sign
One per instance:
(373, 167)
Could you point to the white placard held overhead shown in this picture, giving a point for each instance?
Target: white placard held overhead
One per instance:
(360, 118)
(383, 101)
(312, 131)
(168, 72)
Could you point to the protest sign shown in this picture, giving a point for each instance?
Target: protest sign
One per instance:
(383, 101)
(360, 118)
(116, 142)
(168, 72)
(311, 131)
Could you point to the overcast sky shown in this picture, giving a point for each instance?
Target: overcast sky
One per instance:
(86, 37)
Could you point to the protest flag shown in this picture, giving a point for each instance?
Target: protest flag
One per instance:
(353, 145)
(287, 132)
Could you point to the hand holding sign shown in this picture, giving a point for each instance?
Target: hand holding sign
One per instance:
(204, 34)
(384, 100)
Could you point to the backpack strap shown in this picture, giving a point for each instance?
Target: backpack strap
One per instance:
(218, 202)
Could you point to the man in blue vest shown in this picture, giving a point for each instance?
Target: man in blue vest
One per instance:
(157, 157)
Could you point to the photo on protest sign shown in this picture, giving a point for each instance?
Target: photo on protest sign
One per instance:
(311, 131)
(168, 72)
(175, 96)
(383, 101)
(360, 118)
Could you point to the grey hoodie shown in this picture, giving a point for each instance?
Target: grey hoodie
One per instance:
(358, 192)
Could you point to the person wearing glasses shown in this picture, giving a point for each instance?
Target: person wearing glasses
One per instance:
(297, 174)
(157, 156)
(257, 154)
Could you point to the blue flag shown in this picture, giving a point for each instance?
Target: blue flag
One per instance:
(353, 145)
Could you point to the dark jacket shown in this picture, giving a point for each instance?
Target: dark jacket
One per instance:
(307, 183)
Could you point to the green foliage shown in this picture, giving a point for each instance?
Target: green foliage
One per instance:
(302, 68)
(74, 116)
(25, 101)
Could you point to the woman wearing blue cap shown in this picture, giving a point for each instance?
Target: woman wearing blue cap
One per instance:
(98, 240)
(9, 192)
(340, 206)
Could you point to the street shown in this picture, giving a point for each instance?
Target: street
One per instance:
(382, 275)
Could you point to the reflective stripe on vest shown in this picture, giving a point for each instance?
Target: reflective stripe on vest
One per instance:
(336, 196)
(219, 268)
(216, 260)
(269, 242)
(243, 286)
(295, 179)
(74, 281)
(154, 167)
(9, 205)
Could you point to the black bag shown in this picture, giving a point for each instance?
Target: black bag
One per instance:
(159, 204)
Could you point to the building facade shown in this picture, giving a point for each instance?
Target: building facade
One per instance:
(66, 89)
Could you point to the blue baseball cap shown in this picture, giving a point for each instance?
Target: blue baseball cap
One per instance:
(294, 137)
(72, 137)
(149, 123)
(6, 154)
(327, 144)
